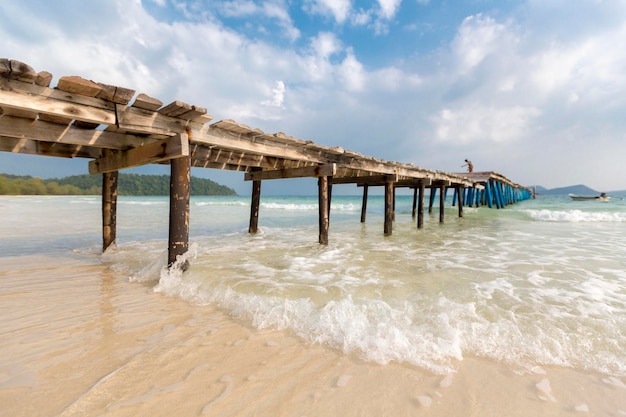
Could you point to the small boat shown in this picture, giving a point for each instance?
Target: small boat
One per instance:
(601, 197)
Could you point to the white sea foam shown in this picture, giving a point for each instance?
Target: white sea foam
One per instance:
(495, 284)
(576, 216)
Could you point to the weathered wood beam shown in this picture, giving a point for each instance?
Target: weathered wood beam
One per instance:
(310, 171)
(32, 147)
(57, 103)
(373, 180)
(52, 132)
(172, 148)
(228, 140)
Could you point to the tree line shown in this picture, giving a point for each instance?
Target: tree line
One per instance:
(128, 184)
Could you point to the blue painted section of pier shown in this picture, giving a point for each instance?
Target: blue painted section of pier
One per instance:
(496, 191)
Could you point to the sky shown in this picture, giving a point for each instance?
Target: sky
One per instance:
(532, 89)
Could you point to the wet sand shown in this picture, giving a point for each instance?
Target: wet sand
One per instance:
(77, 339)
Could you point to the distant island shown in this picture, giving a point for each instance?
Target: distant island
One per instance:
(128, 184)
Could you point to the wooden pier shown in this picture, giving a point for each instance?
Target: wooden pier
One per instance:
(80, 118)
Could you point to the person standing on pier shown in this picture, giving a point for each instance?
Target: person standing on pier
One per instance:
(469, 165)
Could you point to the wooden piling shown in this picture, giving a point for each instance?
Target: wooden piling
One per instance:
(179, 210)
(388, 207)
(393, 203)
(420, 208)
(442, 200)
(324, 209)
(414, 209)
(254, 207)
(433, 193)
(109, 208)
(459, 193)
(364, 204)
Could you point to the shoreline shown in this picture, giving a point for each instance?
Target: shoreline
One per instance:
(79, 339)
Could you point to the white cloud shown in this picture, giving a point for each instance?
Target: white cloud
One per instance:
(478, 37)
(276, 10)
(478, 123)
(278, 95)
(389, 8)
(338, 9)
(352, 73)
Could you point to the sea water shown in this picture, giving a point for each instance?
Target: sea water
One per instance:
(541, 282)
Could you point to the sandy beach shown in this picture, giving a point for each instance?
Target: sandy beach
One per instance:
(78, 339)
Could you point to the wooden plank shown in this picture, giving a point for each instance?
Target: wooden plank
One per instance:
(119, 95)
(44, 78)
(218, 165)
(63, 121)
(31, 147)
(24, 114)
(229, 140)
(234, 127)
(174, 147)
(138, 120)
(59, 108)
(175, 109)
(5, 67)
(312, 171)
(17, 70)
(78, 85)
(197, 114)
(50, 132)
(144, 101)
(372, 180)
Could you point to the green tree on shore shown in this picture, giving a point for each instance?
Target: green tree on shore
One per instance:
(129, 184)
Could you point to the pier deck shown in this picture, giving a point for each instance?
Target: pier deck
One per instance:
(80, 118)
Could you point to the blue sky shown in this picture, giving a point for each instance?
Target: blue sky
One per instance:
(535, 89)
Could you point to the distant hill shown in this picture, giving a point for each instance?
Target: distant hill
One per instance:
(579, 189)
(129, 184)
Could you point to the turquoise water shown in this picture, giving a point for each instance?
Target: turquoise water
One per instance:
(542, 282)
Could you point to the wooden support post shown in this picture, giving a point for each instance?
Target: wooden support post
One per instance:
(324, 215)
(364, 204)
(109, 209)
(456, 190)
(254, 207)
(393, 211)
(414, 211)
(179, 210)
(442, 200)
(330, 193)
(488, 194)
(433, 193)
(420, 209)
(460, 199)
(388, 208)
